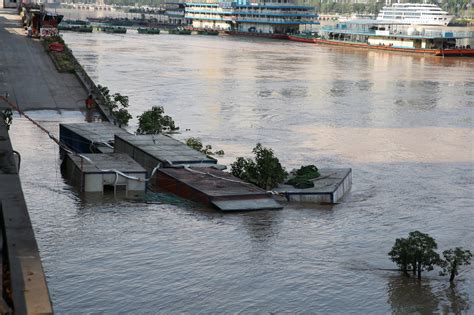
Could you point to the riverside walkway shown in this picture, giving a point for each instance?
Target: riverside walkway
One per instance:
(30, 81)
(28, 76)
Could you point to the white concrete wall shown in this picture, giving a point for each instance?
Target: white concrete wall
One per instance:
(394, 42)
(96, 182)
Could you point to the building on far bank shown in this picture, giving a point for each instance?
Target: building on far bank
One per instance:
(271, 18)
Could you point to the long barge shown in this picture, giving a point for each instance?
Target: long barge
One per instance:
(401, 37)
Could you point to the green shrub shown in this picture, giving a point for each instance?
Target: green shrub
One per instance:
(196, 144)
(117, 105)
(265, 171)
(304, 177)
(153, 122)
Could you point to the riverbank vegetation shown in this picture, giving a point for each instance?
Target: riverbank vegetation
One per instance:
(417, 253)
(117, 104)
(61, 56)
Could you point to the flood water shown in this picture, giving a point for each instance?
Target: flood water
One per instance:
(404, 123)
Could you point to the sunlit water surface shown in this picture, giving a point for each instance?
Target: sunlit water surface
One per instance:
(404, 123)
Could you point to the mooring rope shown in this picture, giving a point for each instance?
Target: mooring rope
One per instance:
(65, 148)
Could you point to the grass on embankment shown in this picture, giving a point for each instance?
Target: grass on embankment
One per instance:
(64, 61)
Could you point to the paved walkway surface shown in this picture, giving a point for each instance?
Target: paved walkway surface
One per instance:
(28, 75)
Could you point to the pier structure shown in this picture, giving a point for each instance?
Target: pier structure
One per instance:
(24, 289)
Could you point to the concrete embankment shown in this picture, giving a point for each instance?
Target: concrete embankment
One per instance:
(30, 81)
(24, 289)
(27, 74)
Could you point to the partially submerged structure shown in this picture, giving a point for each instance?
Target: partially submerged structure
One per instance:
(213, 187)
(159, 150)
(106, 155)
(95, 172)
(89, 137)
(329, 187)
(191, 174)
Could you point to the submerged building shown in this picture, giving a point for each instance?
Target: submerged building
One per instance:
(272, 18)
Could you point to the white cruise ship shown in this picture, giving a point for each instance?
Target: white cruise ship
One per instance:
(415, 13)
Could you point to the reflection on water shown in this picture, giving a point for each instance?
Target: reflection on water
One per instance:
(408, 295)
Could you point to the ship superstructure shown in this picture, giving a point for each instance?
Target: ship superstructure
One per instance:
(273, 17)
(415, 13)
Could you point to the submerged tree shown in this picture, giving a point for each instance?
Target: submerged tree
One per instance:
(196, 144)
(417, 252)
(401, 254)
(154, 121)
(423, 253)
(453, 258)
(265, 171)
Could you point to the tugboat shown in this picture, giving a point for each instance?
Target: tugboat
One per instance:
(180, 31)
(208, 32)
(154, 31)
(114, 30)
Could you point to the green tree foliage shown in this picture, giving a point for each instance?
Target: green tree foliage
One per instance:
(196, 144)
(7, 116)
(417, 252)
(453, 258)
(154, 121)
(265, 171)
(401, 254)
(423, 253)
(117, 104)
(304, 176)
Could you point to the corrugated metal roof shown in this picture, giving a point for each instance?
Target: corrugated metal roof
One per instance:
(96, 132)
(100, 162)
(164, 148)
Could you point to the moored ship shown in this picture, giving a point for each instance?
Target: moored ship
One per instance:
(378, 35)
(271, 19)
(415, 13)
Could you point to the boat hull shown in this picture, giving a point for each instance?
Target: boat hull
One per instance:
(436, 52)
(260, 35)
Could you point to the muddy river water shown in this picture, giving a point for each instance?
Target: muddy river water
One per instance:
(404, 123)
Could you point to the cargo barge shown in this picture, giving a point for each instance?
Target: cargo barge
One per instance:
(377, 35)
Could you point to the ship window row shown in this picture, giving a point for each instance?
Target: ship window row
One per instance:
(250, 13)
(199, 7)
(413, 13)
(246, 18)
